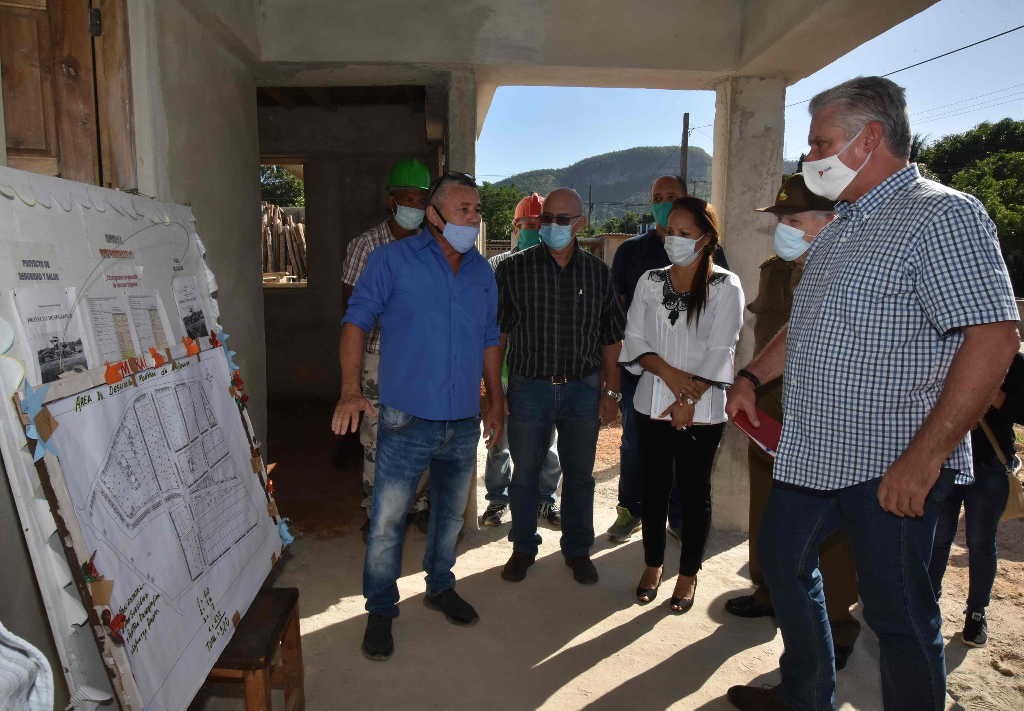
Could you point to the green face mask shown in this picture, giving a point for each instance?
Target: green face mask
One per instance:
(660, 211)
(528, 238)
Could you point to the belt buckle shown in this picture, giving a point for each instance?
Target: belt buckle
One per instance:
(559, 380)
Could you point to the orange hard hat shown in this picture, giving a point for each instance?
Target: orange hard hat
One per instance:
(530, 206)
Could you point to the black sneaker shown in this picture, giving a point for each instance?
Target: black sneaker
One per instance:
(493, 513)
(550, 513)
(516, 567)
(754, 698)
(457, 610)
(975, 632)
(583, 569)
(378, 644)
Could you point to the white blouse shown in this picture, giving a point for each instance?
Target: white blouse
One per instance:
(707, 349)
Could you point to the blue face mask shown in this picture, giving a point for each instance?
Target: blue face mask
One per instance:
(556, 236)
(462, 238)
(789, 242)
(660, 210)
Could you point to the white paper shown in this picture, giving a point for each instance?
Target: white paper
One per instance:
(190, 306)
(111, 328)
(159, 475)
(50, 332)
(661, 399)
(34, 262)
(149, 320)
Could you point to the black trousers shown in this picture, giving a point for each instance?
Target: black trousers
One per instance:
(685, 457)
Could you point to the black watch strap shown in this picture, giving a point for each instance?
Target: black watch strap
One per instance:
(744, 373)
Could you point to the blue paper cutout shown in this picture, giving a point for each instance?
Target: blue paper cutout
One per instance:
(42, 447)
(282, 530)
(229, 354)
(32, 402)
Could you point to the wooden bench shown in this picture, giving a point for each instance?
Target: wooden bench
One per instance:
(265, 652)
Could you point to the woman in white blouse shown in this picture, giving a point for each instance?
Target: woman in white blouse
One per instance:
(681, 335)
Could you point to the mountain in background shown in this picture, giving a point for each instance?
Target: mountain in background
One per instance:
(621, 180)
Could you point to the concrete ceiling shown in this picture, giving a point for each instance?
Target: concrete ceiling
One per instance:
(669, 44)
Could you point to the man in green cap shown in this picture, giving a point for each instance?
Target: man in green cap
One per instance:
(406, 201)
(801, 216)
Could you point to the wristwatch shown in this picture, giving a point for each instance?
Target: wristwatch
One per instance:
(617, 397)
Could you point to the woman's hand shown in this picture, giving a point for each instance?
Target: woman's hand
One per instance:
(681, 413)
(682, 384)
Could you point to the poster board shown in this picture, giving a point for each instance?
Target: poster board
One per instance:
(148, 470)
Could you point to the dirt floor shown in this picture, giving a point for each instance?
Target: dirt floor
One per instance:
(551, 643)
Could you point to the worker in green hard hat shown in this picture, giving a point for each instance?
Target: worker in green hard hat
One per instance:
(408, 183)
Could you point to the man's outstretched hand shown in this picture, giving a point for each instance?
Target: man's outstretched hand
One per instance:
(742, 398)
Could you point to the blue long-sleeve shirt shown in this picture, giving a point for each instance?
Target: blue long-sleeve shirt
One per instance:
(435, 325)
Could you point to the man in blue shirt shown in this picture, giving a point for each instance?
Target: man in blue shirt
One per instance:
(437, 302)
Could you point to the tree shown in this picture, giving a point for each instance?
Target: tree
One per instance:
(998, 181)
(950, 154)
(280, 187)
(498, 205)
(918, 141)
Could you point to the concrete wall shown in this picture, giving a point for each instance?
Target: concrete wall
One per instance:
(746, 169)
(195, 114)
(347, 154)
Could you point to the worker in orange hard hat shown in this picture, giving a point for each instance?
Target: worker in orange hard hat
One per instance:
(498, 471)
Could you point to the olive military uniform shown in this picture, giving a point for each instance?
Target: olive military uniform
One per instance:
(772, 306)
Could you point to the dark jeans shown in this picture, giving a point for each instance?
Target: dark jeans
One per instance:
(536, 407)
(683, 458)
(983, 503)
(406, 446)
(892, 554)
(631, 476)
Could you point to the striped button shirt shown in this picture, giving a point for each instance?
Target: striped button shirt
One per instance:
(355, 262)
(876, 324)
(557, 318)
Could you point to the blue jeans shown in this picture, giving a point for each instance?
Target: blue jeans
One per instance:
(536, 408)
(631, 468)
(407, 445)
(983, 503)
(498, 471)
(892, 555)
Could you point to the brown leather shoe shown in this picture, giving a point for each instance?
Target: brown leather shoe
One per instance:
(756, 698)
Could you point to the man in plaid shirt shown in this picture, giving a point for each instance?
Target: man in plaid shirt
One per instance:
(408, 183)
(902, 329)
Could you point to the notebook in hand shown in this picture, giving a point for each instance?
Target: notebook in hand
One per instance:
(766, 436)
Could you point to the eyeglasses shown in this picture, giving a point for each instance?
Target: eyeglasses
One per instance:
(546, 219)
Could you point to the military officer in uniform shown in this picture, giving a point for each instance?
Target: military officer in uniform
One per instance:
(801, 216)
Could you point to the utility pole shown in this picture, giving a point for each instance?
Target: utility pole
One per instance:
(684, 151)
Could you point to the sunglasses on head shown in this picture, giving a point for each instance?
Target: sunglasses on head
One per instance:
(546, 219)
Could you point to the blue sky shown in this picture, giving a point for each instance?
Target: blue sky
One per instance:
(948, 95)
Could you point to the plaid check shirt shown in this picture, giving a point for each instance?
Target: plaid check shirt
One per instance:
(355, 262)
(875, 326)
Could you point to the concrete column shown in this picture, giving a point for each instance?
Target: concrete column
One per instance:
(462, 121)
(746, 170)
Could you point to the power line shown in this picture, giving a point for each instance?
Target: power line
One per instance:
(932, 59)
(970, 110)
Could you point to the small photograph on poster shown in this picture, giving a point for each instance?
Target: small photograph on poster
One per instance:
(111, 328)
(190, 306)
(149, 320)
(51, 332)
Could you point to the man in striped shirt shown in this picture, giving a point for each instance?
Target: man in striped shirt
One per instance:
(562, 325)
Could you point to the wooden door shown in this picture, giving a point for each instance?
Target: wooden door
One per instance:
(67, 89)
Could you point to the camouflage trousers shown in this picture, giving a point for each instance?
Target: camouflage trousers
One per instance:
(368, 437)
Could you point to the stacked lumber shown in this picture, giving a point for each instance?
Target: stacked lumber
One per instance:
(283, 246)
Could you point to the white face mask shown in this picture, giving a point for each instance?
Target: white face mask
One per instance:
(408, 218)
(789, 242)
(682, 250)
(829, 177)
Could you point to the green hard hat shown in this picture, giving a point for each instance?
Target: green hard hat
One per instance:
(409, 173)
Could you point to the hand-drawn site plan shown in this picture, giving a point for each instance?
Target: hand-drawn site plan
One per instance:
(160, 477)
